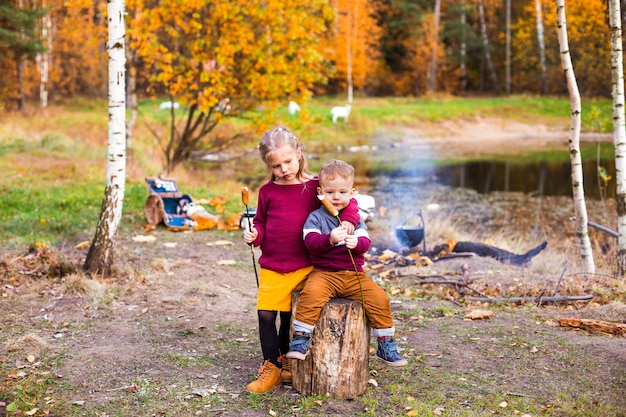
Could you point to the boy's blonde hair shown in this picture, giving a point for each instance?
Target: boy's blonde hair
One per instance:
(277, 138)
(337, 168)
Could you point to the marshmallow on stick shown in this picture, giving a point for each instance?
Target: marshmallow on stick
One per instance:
(329, 206)
(244, 196)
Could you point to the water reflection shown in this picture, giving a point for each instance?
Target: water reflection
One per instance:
(542, 177)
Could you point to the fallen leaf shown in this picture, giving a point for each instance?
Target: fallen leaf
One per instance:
(31, 412)
(201, 392)
(479, 314)
(503, 404)
(170, 244)
(438, 411)
(226, 262)
(534, 349)
(220, 243)
(143, 238)
(82, 245)
(412, 413)
(373, 382)
(272, 413)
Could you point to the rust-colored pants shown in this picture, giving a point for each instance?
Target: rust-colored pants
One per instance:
(322, 286)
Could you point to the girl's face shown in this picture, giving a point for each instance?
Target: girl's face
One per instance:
(284, 164)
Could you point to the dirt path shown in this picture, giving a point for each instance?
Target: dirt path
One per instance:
(184, 319)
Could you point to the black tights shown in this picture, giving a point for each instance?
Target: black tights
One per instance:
(274, 343)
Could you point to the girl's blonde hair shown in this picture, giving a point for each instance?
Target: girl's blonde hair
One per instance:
(277, 138)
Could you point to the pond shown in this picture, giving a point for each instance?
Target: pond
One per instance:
(545, 172)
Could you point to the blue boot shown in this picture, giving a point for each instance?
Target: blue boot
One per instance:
(299, 346)
(387, 352)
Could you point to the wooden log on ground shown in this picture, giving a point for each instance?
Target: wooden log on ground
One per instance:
(338, 359)
(594, 326)
(557, 298)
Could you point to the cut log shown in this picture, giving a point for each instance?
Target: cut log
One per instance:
(594, 326)
(338, 359)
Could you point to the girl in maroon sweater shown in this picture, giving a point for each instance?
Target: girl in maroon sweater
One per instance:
(284, 203)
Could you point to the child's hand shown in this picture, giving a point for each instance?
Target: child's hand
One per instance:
(349, 226)
(249, 236)
(351, 241)
(338, 234)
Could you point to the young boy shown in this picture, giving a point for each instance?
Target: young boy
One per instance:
(335, 255)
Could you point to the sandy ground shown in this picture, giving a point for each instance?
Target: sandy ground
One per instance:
(495, 135)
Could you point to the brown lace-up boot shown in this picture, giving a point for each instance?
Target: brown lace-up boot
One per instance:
(268, 378)
(285, 371)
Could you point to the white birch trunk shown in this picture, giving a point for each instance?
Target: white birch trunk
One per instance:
(432, 80)
(100, 257)
(542, 48)
(574, 141)
(619, 130)
(43, 58)
(483, 30)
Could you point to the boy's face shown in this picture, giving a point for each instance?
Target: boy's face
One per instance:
(336, 190)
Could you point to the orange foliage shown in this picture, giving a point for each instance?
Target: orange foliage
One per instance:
(589, 40)
(353, 27)
(79, 60)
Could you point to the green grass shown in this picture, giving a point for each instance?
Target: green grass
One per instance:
(53, 178)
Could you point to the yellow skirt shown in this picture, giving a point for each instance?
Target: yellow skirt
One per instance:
(275, 288)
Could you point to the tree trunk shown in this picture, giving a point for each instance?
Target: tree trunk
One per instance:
(463, 51)
(44, 59)
(350, 30)
(542, 48)
(507, 87)
(432, 79)
(483, 30)
(338, 360)
(100, 256)
(619, 132)
(574, 141)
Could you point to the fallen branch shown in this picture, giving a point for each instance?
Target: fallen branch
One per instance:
(530, 299)
(594, 326)
(610, 232)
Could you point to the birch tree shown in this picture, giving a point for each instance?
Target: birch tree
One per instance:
(100, 256)
(574, 140)
(619, 132)
(483, 31)
(43, 58)
(542, 47)
(432, 79)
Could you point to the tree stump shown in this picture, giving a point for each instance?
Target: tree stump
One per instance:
(338, 359)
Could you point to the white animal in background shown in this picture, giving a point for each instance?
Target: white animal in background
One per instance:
(293, 108)
(340, 112)
(223, 106)
(169, 105)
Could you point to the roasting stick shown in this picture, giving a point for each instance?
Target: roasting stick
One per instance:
(335, 213)
(245, 199)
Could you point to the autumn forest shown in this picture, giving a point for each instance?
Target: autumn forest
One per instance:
(279, 50)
